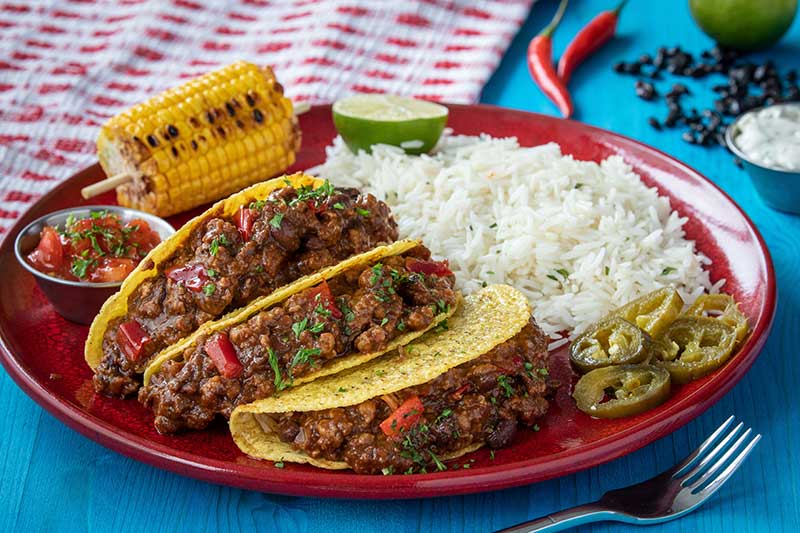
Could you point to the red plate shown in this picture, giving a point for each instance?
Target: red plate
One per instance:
(44, 353)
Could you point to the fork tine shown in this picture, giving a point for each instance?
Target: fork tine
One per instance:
(712, 454)
(734, 448)
(715, 485)
(710, 441)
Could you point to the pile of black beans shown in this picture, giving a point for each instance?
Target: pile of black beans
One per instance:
(748, 86)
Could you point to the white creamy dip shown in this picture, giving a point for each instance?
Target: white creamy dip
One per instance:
(771, 137)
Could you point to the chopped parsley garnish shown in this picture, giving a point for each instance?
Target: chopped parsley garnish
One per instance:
(279, 464)
(380, 373)
(299, 327)
(607, 270)
(338, 205)
(259, 269)
(490, 272)
(439, 465)
(321, 310)
(552, 277)
(317, 328)
(70, 221)
(79, 266)
(275, 221)
(209, 288)
(564, 273)
(211, 273)
(257, 204)
(442, 307)
(491, 455)
(492, 226)
(305, 356)
(280, 384)
(98, 214)
(444, 414)
(347, 313)
(362, 212)
(377, 272)
(578, 185)
(342, 389)
(388, 471)
(401, 326)
(536, 427)
(221, 240)
(668, 270)
(503, 382)
(442, 326)
(543, 372)
(528, 367)
(384, 321)
(95, 245)
(306, 193)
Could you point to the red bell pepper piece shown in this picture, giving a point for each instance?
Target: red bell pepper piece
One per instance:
(194, 277)
(403, 418)
(323, 293)
(244, 220)
(132, 339)
(223, 354)
(429, 268)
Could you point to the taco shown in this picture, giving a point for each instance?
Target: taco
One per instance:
(244, 247)
(340, 317)
(442, 396)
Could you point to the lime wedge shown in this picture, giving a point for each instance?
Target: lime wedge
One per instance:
(367, 119)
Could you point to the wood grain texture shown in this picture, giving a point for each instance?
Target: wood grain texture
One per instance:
(52, 479)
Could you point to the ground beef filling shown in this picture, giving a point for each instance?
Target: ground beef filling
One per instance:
(482, 401)
(360, 311)
(293, 233)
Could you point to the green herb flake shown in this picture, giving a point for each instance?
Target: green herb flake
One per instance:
(80, 266)
(362, 212)
(536, 427)
(209, 288)
(442, 307)
(338, 205)
(607, 270)
(490, 272)
(388, 471)
(492, 226)
(259, 269)
(299, 327)
(384, 321)
(275, 221)
(258, 204)
(279, 464)
(668, 270)
(321, 310)
(211, 273)
(305, 356)
(280, 384)
(342, 389)
(564, 273)
(578, 185)
(317, 328)
(503, 382)
(377, 272)
(491, 455)
(552, 277)
(401, 326)
(543, 372)
(380, 373)
(439, 464)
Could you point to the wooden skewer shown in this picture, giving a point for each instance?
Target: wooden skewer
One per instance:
(90, 191)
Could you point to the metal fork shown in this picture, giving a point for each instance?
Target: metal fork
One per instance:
(669, 495)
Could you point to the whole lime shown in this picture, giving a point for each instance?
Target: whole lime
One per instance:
(744, 24)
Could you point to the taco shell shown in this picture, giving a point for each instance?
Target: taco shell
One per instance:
(334, 366)
(117, 305)
(484, 319)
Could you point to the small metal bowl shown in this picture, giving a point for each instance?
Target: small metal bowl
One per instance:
(779, 188)
(79, 301)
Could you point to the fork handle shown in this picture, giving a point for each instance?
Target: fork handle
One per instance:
(572, 517)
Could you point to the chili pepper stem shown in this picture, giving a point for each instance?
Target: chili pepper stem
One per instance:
(550, 28)
(617, 9)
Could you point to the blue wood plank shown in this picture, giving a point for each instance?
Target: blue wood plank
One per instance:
(52, 479)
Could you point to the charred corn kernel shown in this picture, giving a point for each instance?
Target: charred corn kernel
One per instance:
(206, 139)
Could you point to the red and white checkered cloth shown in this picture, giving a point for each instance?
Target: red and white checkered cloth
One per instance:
(68, 65)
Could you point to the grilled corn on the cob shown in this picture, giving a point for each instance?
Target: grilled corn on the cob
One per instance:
(201, 141)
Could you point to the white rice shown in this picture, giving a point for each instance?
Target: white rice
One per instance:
(577, 237)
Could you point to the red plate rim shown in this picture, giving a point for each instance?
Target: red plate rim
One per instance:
(322, 483)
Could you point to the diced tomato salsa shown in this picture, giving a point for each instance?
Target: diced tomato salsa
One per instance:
(98, 248)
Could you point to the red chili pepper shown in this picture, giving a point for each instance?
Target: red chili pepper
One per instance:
(594, 35)
(543, 72)
(223, 355)
(429, 268)
(244, 220)
(193, 277)
(132, 339)
(325, 296)
(403, 418)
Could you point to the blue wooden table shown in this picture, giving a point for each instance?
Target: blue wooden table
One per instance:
(52, 479)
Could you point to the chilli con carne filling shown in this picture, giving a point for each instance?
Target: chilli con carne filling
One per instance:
(483, 401)
(227, 263)
(357, 312)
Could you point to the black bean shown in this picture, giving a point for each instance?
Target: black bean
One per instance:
(672, 118)
(645, 90)
(645, 59)
(619, 67)
(654, 123)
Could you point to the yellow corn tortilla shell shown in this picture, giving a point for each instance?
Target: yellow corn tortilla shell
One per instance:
(485, 319)
(117, 305)
(336, 365)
